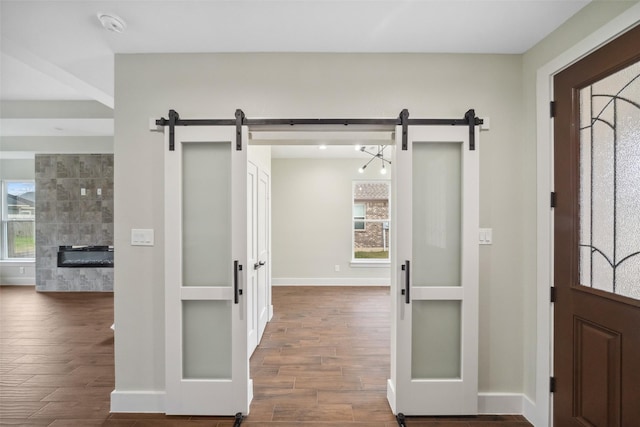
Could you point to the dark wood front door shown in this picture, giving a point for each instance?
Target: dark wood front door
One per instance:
(597, 238)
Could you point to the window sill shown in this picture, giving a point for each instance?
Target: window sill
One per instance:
(18, 261)
(369, 264)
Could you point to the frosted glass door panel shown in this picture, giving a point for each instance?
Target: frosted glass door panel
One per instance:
(206, 339)
(206, 211)
(610, 183)
(436, 339)
(436, 214)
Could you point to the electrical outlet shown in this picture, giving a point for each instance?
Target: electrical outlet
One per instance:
(337, 267)
(21, 270)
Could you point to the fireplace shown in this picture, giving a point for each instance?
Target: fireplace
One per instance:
(85, 256)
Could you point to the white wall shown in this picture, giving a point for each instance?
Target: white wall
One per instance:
(314, 85)
(17, 169)
(312, 227)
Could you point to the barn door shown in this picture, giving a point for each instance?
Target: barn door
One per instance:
(207, 369)
(434, 277)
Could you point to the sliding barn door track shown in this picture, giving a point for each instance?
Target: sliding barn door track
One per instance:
(241, 119)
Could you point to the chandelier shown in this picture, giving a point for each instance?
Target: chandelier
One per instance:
(374, 155)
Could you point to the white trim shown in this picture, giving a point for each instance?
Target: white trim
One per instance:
(330, 281)
(529, 410)
(544, 93)
(148, 401)
(500, 403)
(370, 264)
(391, 395)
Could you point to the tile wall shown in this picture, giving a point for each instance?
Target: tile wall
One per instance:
(66, 217)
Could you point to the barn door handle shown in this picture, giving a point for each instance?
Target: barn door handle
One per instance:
(237, 267)
(406, 267)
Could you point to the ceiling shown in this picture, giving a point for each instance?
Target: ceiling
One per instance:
(58, 50)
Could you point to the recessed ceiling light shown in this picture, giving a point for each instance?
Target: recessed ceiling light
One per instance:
(322, 147)
(112, 22)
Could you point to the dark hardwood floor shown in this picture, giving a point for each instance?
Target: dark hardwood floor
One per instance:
(323, 362)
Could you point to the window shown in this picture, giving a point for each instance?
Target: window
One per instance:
(18, 220)
(359, 215)
(370, 220)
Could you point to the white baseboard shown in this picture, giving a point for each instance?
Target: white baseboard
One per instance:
(18, 281)
(391, 395)
(488, 403)
(530, 411)
(138, 401)
(500, 403)
(330, 281)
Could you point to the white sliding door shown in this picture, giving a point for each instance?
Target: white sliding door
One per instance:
(434, 277)
(207, 369)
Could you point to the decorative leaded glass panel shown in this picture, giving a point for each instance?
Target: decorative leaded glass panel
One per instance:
(610, 183)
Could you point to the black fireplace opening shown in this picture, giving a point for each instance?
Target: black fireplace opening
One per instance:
(85, 256)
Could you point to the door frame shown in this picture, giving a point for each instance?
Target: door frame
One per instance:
(540, 412)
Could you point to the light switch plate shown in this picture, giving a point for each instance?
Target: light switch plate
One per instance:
(141, 237)
(486, 236)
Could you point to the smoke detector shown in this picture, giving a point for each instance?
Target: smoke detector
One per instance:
(112, 22)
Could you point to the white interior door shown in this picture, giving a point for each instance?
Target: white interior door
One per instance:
(258, 276)
(434, 278)
(207, 366)
(252, 272)
(263, 249)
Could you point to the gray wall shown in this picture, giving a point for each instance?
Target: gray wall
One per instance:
(316, 85)
(311, 220)
(64, 217)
